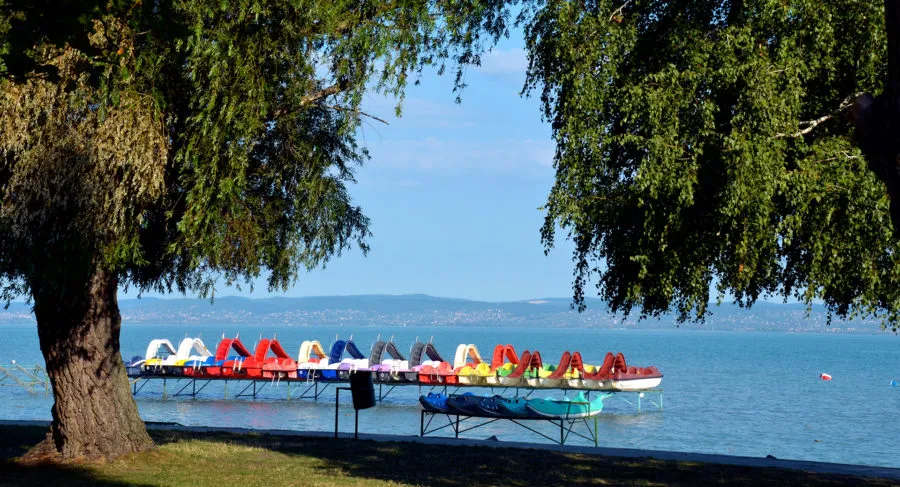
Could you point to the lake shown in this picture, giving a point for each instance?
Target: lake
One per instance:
(752, 394)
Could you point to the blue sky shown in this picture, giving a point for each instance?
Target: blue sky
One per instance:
(453, 192)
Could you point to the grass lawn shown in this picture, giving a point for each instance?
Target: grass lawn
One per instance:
(230, 460)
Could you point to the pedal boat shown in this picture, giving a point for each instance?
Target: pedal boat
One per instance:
(529, 362)
(213, 366)
(637, 379)
(388, 370)
(339, 368)
(160, 353)
(424, 356)
(311, 359)
(278, 366)
(357, 361)
(468, 366)
(503, 362)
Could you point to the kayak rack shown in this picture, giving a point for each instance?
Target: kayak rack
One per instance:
(462, 423)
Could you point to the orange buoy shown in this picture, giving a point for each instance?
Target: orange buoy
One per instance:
(825, 376)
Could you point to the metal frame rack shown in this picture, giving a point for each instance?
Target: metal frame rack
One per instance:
(184, 386)
(456, 423)
(32, 378)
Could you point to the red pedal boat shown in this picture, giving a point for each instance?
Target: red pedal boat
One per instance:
(233, 366)
(281, 365)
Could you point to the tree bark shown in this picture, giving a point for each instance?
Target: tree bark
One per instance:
(94, 414)
(877, 119)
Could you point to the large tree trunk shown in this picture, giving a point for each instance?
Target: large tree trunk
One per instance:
(877, 119)
(94, 415)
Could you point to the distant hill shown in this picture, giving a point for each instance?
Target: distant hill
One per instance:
(421, 309)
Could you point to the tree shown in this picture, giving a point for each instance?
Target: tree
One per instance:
(709, 144)
(165, 144)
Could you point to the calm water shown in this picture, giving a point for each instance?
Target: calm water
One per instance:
(748, 394)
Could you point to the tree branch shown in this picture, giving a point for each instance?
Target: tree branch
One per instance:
(323, 93)
(354, 110)
(352, 20)
(314, 97)
(807, 126)
(616, 13)
(810, 125)
(845, 154)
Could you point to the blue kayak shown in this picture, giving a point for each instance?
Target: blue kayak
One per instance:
(442, 403)
(502, 407)
(434, 403)
(513, 408)
(465, 404)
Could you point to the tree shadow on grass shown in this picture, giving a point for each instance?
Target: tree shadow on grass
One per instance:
(14, 473)
(449, 466)
(433, 465)
(17, 441)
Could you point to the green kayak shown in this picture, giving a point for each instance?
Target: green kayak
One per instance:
(578, 407)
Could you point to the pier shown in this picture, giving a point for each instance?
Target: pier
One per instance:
(32, 378)
(172, 386)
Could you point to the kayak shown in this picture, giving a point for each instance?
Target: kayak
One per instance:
(578, 407)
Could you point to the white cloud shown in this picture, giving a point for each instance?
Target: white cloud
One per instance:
(505, 62)
(422, 112)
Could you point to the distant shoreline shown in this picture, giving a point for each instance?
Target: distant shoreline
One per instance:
(428, 311)
(688, 328)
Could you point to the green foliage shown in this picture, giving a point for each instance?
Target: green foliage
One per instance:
(704, 144)
(250, 112)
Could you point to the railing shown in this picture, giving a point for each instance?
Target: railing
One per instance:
(32, 378)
